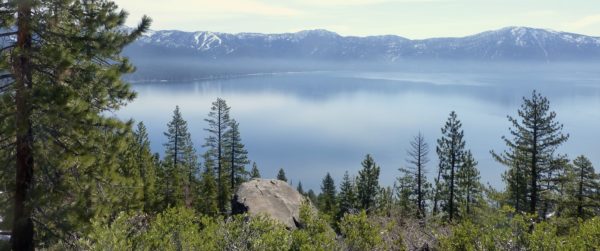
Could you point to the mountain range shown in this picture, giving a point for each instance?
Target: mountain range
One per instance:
(506, 44)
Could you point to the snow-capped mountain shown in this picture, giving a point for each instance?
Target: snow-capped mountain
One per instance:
(511, 43)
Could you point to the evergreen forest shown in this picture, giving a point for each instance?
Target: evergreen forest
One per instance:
(74, 177)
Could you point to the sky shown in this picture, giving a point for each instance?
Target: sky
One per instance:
(414, 19)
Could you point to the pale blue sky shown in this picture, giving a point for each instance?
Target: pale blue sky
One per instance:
(409, 18)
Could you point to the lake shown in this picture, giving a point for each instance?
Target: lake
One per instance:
(311, 123)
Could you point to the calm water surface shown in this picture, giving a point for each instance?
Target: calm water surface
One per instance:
(317, 122)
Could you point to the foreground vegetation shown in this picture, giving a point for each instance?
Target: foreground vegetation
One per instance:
(75, 178)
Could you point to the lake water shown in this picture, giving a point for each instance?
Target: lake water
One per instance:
(311, 123)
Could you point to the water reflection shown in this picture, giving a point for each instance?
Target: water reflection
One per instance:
(318, 122)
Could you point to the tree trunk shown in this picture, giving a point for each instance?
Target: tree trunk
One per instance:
(437, 191)
(219, 162)
(518, 188)
(580, 196)
(232, 163)
(419, 194)
(143, 167)
(469, 198)
(22, 232)
(534, 172)
(451, 202)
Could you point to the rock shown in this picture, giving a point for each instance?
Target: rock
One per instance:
(273, 198)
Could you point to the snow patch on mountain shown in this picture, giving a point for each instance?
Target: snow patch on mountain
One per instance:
(503, 44)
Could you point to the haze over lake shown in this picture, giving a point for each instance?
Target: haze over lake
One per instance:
(311, 123)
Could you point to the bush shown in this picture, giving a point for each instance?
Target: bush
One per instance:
(586, 236)
(315, 233)
(174, 229)
(180, 229)
(255, 233)
(502, 229)
(123, 233)
(512, 231)
(360, 233)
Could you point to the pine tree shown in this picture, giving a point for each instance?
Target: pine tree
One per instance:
(327, 198)
(406, 192)
(281, 175)
(552, 180)
(207, 203)
(299, 188)
(536, 136)
(469, 185)
(347, 196)
(254, 173)
(367, 184)
(516, 178)
(181, 163)
(218, 124)
(385, 201)
(236, 155)
(417, 158)
(586, 188)
(312, 196)
(132, 172)
(61, 78)
(564, 197)
(147, 167)
(450, 150)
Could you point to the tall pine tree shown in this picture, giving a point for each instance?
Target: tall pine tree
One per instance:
(218, 123)
(61, 78)
(236, 156)
(181, 163)
(585, 188)
(516, 178)
(406, 192)
(327, 198)
(207, 202)
(450, 150)
(469, 185)
(535, 137)
(147, 167)
(347, 196)
(418, 158)
(367, 184)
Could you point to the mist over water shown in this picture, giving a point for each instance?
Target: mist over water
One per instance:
(311, 123)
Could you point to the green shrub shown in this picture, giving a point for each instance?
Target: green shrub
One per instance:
(241, 232)
(123, 233)
(508, 230)
(360, 233)
(180, 229)
(586, 236)
(315, 233)
(544, 237)
(465, 236)
(502, 229)
(174, 229)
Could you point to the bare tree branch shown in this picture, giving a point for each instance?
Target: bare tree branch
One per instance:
(7, 47)
(5, 76)
(6, 86)
(7, 34)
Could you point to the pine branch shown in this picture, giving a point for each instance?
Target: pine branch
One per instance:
(6, 86)
(7, 47)
(7, 146)
(39, 223)
(5, 76)
(7, 34)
